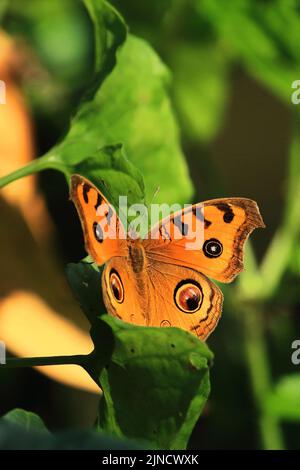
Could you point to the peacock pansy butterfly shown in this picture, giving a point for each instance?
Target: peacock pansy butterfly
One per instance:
(156, 281)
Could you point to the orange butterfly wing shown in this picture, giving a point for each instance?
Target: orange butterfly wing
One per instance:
(165, 281)
(224, 226)
(104, 234)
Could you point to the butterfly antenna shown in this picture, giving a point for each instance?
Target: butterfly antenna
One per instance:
(155, 194)
(153, 197)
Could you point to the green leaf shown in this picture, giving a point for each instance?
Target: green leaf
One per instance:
(25, 419)
(110, 33)
(113, 174)
(284, 401)
(155, 381)
(85, 281)
(131, 107)
(20, 429)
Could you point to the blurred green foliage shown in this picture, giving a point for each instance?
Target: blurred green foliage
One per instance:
(22, 430)
(207, 46)
(284, 401)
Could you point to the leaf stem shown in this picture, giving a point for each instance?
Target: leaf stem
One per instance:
(39, 164)
(79, 360)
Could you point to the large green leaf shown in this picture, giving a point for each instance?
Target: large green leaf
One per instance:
(155, 381)
(113, 174)
(129, 106)
(132, 107)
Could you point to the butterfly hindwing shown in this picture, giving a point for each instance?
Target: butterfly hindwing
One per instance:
(163, 296)
(184, 298)
(126, 295)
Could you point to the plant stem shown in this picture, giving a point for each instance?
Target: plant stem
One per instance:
(45, 361)
(42, 163)
(280, 251)
(259, 369)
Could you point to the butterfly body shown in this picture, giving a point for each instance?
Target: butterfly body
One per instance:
(137, 257)
(164, 279)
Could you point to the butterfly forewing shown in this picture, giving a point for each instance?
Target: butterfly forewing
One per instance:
(103, 231)
(226, 224)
